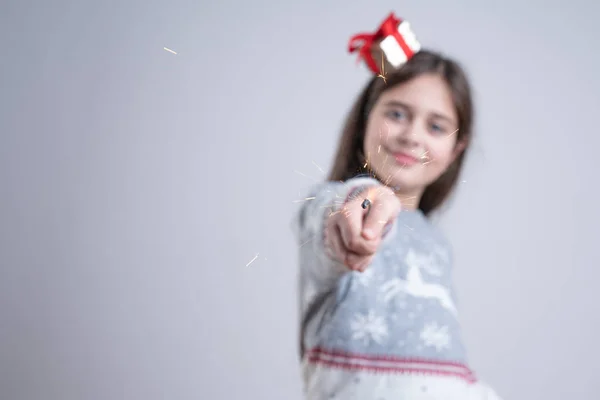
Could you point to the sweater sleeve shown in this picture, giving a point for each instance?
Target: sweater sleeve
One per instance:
(318, 272)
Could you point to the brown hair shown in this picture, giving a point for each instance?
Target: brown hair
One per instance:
(349, 160)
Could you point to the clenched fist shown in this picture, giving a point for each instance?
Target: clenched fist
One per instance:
(353, 233)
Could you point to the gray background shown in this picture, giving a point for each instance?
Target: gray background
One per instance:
(137, 184)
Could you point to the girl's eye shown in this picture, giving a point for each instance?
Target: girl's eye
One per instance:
(397, 115)
(437, 128)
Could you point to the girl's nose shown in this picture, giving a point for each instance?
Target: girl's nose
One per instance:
(410, 135)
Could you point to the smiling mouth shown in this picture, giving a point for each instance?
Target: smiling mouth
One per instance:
(407, 159)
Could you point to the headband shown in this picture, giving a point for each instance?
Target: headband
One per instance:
(394, 38)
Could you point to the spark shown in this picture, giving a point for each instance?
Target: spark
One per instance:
(333, 208)
(382, 74)
(305, 243)
(368, 162)
(347, 213)
(169, 50)
(452, 133)
(408, 201)
(304, 175)
(254, 259)
(332, 212)
(388, 129)
(320, 169)
(388, 180)
(304, 199)
(408, 227)
(426, 157)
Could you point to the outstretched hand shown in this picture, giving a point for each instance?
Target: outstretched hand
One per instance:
(353, 233)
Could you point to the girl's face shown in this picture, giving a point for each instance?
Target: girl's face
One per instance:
(411, 135)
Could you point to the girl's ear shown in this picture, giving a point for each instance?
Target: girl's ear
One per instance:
(458, 148)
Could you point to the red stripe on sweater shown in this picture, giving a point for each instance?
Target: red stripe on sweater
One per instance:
(389, 364)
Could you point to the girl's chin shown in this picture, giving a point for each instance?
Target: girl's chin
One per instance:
(405, 184)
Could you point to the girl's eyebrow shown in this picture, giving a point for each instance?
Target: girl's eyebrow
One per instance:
(396, 103)
(443, 117)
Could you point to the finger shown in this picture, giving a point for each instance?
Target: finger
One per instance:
(383, 209)
(336, 246)
(367, 263)
(356, 261)
(350, 221)
(352, 260)
(361, 263)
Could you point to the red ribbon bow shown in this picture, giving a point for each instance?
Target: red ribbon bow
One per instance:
(363, 42)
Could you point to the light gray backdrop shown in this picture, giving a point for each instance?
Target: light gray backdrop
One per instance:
(136, 184)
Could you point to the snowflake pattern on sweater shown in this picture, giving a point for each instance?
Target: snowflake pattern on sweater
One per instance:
(404, 297)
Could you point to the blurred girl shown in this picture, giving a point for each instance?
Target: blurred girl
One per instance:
(379, 317)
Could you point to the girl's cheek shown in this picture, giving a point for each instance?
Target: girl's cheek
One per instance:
(440, 154)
